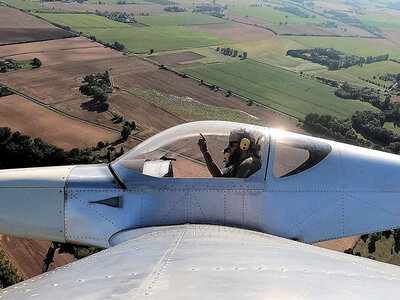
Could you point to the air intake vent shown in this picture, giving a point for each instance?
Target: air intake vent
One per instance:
(113, 202)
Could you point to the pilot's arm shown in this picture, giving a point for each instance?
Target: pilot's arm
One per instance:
(211, 165)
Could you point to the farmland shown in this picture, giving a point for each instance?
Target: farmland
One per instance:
(351, 45)
(275, 16)
(357, 75)
(263, 84)
(26, 28)
(157, 99)
(180, 19)
(135, 39)
(34, 120)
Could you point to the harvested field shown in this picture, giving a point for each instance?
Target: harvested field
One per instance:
(169, 83)
(235, 32)
(151, 118)
(34, 120)
(47, 46)
(27, 255)
(66, 78)
(339, 244)
(393, 36)
(16, 27)
(175, 59)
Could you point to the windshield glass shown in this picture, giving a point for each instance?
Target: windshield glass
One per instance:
(175, 152)
(294, 154)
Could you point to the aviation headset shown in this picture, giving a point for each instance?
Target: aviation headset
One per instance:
(243, 145)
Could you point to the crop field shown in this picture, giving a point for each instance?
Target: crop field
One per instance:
(179, 19)
(135, 39)
(276, 16)
(351, 45)
(82, 21)
(115, 1)
(236, 32)
(25, 4)
(26, 28)
(357, 75)
(263, 83)
(273, 46)
(191, 110)
(381, 19)
(34, 120)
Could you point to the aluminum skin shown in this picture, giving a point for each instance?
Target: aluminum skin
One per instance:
(350, 191)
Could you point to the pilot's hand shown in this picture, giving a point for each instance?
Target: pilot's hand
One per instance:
(202, 143)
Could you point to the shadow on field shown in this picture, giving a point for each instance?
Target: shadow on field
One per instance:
(93, 106)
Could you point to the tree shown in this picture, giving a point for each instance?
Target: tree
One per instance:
(126, 131)
(36, 63)
(99, 95)
(151, 51)
(100, 145)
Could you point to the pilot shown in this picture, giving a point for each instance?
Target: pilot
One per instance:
(242, 156)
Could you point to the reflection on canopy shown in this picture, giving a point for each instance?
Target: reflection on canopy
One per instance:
(175, 153)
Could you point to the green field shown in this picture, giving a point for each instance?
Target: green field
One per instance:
(380, 20)
(179, 19)
(115, 1)
(390, 126)
(79, 22)
(356, 75)
(192, 110)
(135, 39)
(278, 88)
(25, 4)
(351, 45)
(275, 16)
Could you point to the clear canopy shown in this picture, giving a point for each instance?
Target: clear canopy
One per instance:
(175, 153)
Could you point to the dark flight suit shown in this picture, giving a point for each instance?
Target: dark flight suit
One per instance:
(245, 169)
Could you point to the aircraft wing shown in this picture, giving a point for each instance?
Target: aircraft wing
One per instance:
(206, 261)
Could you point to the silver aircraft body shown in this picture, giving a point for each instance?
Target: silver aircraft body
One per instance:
(175, 232)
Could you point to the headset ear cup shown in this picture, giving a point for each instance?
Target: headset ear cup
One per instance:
(245, 144)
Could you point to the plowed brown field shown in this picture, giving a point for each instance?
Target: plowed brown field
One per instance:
(34, 120)
(16, 26)
(27, 254)
(235, 32)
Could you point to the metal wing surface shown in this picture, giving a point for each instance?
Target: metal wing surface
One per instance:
(205, 261)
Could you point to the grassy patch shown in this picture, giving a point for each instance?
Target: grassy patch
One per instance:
(390, 126)
(351, 45)
(278, 88)
(380, 19)
(25, 4)
(179, 19)
(81, 22)
(115, 1)
(383, 250)
(275, 16)
(135, 39)
(192, 110)
(357, 75)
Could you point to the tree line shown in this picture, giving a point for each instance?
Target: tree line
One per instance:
(231, 52)
(334, 59)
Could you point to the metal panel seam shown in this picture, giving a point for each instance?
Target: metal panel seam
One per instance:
(161, 263)
(65, 202)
